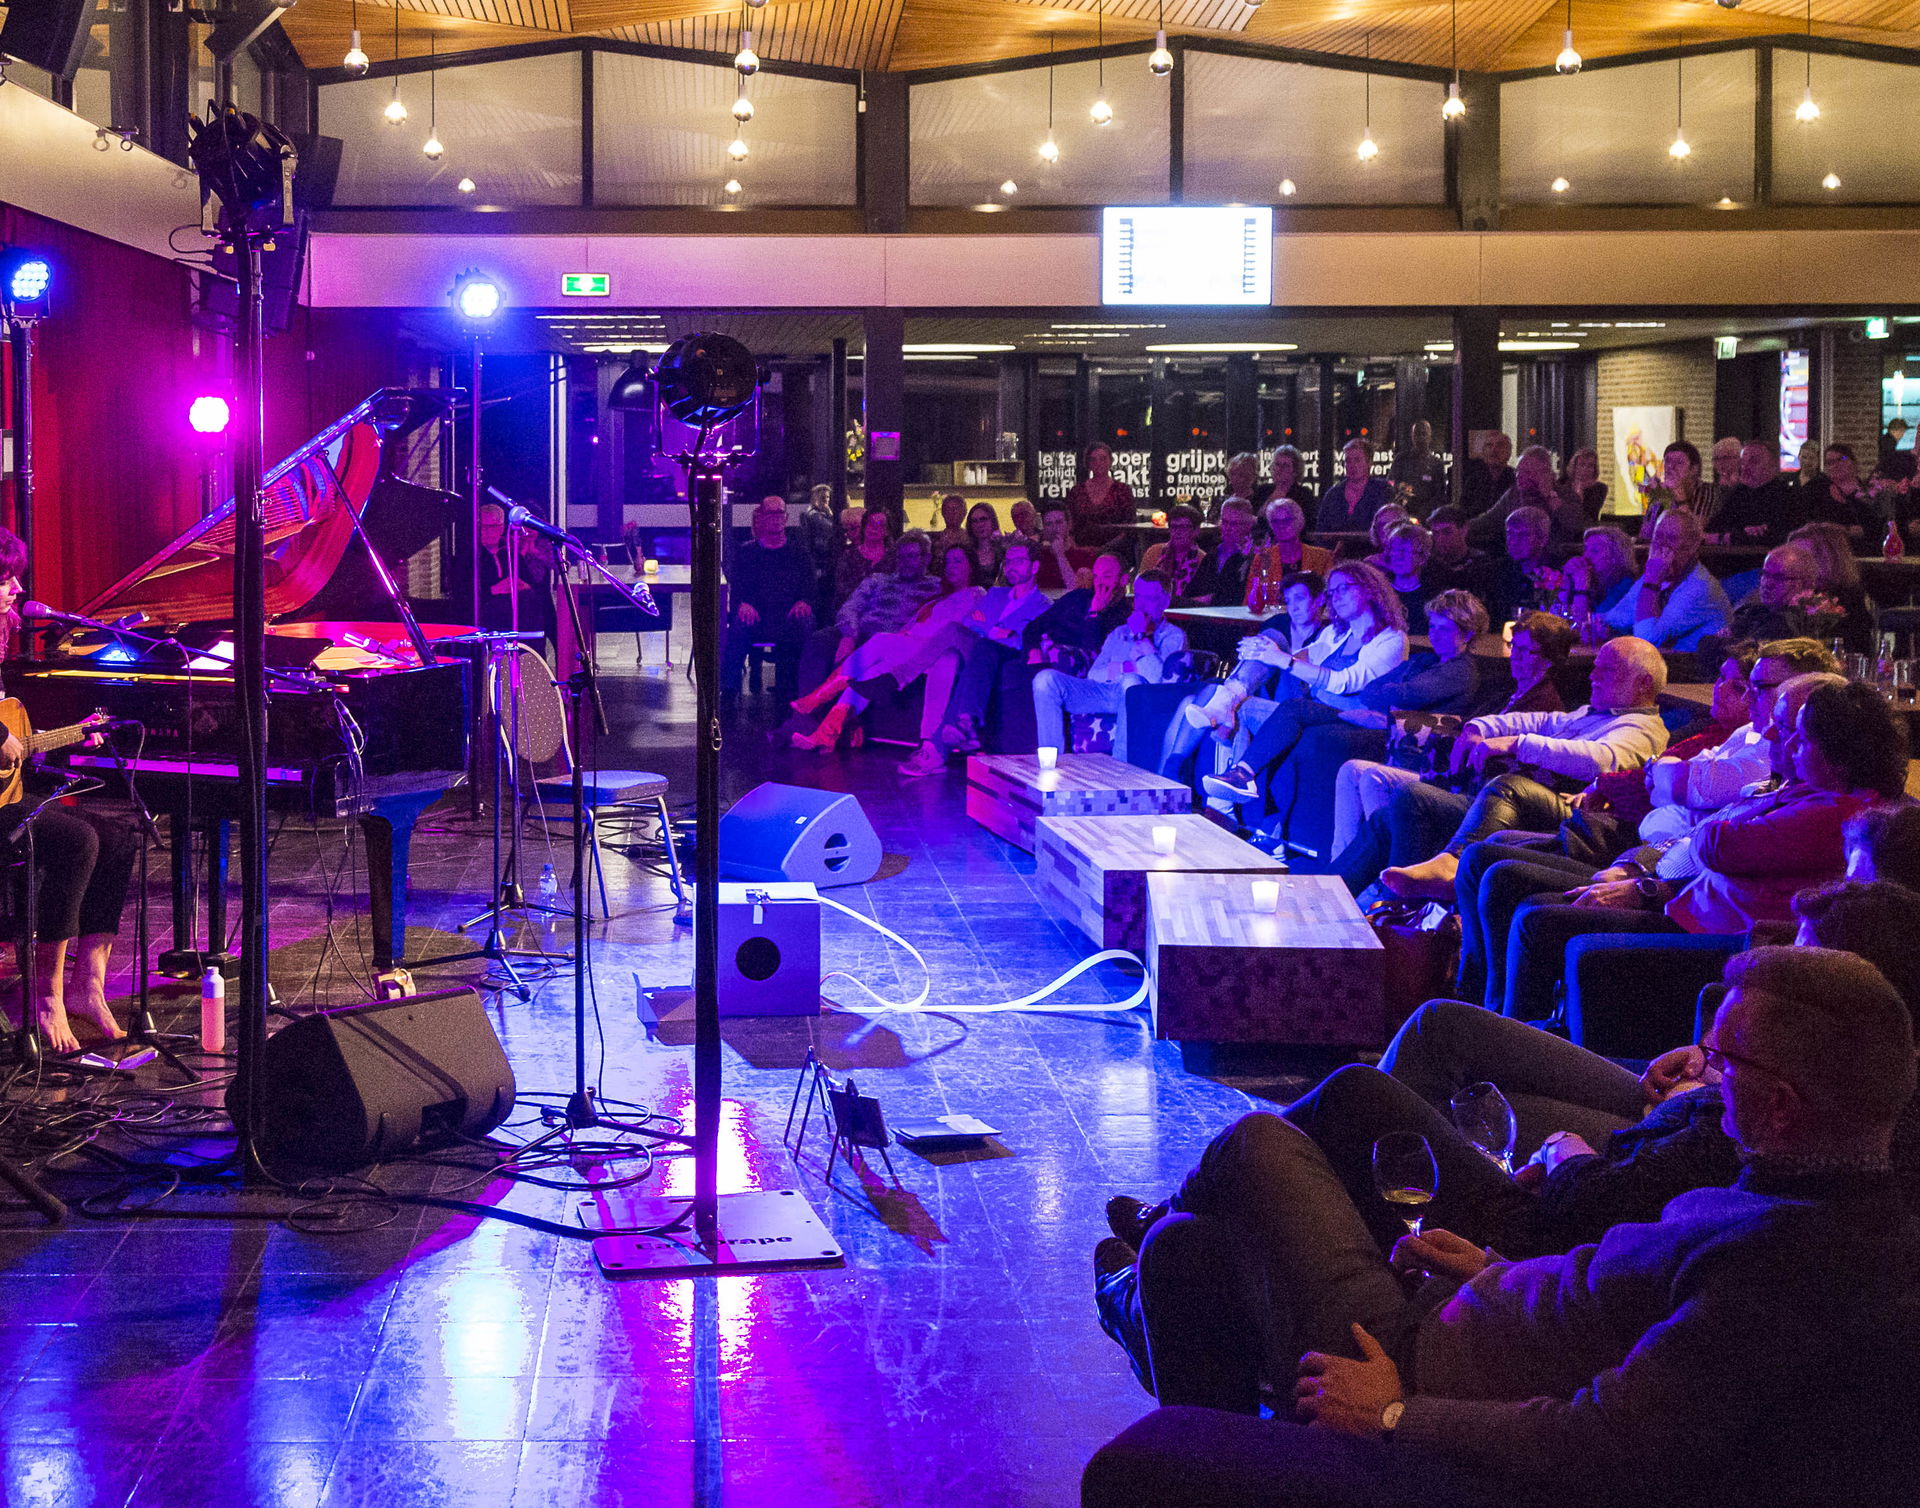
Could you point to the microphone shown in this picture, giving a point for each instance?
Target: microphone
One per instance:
(521, 518)
(41, 610)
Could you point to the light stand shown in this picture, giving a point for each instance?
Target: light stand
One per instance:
(20, 336)
(706, 380)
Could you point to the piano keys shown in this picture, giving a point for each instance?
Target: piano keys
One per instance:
(366, 719)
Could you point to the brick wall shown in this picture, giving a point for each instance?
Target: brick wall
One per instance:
(1856, 396)
(1680, 376)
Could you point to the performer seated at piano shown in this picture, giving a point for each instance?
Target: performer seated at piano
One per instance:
(83, 864)
(501, 575)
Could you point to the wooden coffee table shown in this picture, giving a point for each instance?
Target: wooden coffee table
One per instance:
(1311, 972)
(1094, 869)
(1008, 793)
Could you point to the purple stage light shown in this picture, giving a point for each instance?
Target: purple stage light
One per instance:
(209, 415)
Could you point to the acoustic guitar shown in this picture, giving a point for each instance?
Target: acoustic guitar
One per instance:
(14, 721)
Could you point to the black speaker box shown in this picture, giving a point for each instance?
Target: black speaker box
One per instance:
(350, 1087)
(49, 34)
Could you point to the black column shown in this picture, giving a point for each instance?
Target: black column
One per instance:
(1328, 437)
(837, 420)
(1476, 378)
(1243, 405)
(1157, 434)
(885, 375)
(1475, 154)
(883, 155)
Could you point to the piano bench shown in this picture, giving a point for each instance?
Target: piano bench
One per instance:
(608, 791)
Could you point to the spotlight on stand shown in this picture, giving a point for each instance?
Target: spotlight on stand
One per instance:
(632, 390)
(707, 379)
(209, 414)
(26, 285)
(476, 297)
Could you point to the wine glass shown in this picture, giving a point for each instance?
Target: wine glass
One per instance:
(1406, 1175)
(1486, 1119)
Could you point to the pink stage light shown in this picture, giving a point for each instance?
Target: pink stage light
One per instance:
(209, 415)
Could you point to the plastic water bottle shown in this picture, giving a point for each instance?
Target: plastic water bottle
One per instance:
(213, 1011)
(549, 887)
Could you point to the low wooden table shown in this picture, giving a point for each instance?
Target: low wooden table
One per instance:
(1095, 868)
(1008, 793)
(1311, 972)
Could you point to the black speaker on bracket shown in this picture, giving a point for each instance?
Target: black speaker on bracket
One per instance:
(351, 1087)
(50, 34)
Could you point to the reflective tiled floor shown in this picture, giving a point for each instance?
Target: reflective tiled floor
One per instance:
(954, 1359)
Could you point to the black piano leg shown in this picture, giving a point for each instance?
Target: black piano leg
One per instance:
(388, 830)
(183, 960)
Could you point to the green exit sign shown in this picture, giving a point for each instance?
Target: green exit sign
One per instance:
(586, 284)
(1878, 329)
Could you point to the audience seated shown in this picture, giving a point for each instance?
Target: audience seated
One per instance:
(1766, 1331)
(1541, 644)
(1243, 486)
(1100, 504)
(1777, 607)
(1838, 747)
(1533, 487)
(1523, 580)
(1883, 843)
(983, 544)
(1180, 557)
(1553, 754)
(1681, 488)
(1677, 601)
(1139, 652)
(1452, 564)
(1418, 474)
(1365, 638)
(1837, 580)
(891, 610)
(1066, 637)
(1836, 495)
(952, 526)
(1594, 581)
(1062, 562)
(990, 636)
(1763, 508)
(1580, 495)
(1025, 521)
(1287, 482)
(771, 601)
(1386, 518)
(1284, 555)
(1228, 565)
(1349, 504)
(1486, 478)
(825, 537)
(1403, 563)
(869, 553)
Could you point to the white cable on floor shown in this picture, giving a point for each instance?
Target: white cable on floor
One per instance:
(918, 1004)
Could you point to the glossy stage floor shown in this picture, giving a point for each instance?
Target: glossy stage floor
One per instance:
(444, 1359)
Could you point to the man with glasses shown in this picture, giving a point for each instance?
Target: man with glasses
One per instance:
(1768, 1334)
(1771, 609)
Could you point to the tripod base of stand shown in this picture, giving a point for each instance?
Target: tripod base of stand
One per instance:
(765, 1230)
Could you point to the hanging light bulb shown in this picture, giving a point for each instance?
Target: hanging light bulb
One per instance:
(1102, 113)
(396, 110)
(1160, 60)
(1569, 60)
(737, 148)
(432, 148)
(1009, 187)
(1830, 182)
(1678, 149)
(1806, 110)
(1560, 185)
(756, 4)
(1369, 148)
(1049, 149)
(1455, 107)
(466, 185)
(746, 61)
(1287, 188)
(743, 108)
(733, 186)
(356, 60)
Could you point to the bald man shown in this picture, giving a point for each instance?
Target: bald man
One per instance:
(1768, 612)
(1677, 602)
(1557, 755)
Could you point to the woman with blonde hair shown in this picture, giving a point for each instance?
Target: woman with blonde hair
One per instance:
(1839, 578)
(1599, 576)
(1284, 555)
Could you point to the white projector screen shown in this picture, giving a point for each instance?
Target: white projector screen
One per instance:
(1186, 254)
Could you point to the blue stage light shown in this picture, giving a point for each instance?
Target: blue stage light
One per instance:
(26, 284)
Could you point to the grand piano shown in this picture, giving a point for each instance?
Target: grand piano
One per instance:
(367, 718)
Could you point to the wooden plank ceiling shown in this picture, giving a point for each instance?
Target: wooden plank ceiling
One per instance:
(907, 34)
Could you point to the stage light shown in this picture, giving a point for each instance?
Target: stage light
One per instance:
(476, 296)
(1806, 110)
(1368, 148)
(209, 414)
(707, 379)
(26, 284)
(632, 390)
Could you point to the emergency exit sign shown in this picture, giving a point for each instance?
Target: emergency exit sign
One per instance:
(586, 284)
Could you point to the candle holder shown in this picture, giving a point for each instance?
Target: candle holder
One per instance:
(1048, 756)
(1165, 838)
(1266, 895)
(650, 568)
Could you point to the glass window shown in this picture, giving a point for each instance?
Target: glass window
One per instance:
(1123, 412)
(513, 127)
(971, 135)
(1195, 432)
(661, 131)
(1866, 110)
(1252, 123)
(1605, 133)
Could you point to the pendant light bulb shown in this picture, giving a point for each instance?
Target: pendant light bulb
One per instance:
(1807, 111)
(396, 110)
(743, 108)
(1160, 60)
(1560, 185)
(1455, 107)
(1009, 187)
(356, 60)
(1102, 113)
(1287, 188)
(1830, 182)
(1369, 148)
(737, 148)
(1569, 60)
(1678, 149)
(733, 185)
(432, 148)
(1049, 149)
(746, 61)
(466, 185)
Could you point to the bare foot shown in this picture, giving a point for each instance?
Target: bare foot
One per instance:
(1431, 881)
(55, 1032)
(98, 1017)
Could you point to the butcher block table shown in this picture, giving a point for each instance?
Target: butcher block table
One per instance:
(1008, 793)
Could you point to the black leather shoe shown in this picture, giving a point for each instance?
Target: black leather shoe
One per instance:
(1130, 1219)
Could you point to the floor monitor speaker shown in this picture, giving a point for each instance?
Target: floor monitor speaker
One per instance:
(346, 1088)
(789, 832)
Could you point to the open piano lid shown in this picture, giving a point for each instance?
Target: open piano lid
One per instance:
(308, 526)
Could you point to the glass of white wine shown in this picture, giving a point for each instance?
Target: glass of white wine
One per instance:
(1486, 1119)
(1406, 1175)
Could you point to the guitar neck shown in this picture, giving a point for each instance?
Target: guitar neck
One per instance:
(56, 738)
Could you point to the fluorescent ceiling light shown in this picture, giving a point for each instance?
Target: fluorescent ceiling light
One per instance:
(622, 348)
(1217, 347)
(924, 356)
(1439, 345)
(952, 348)
(1103, 325)
(1539, 345)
